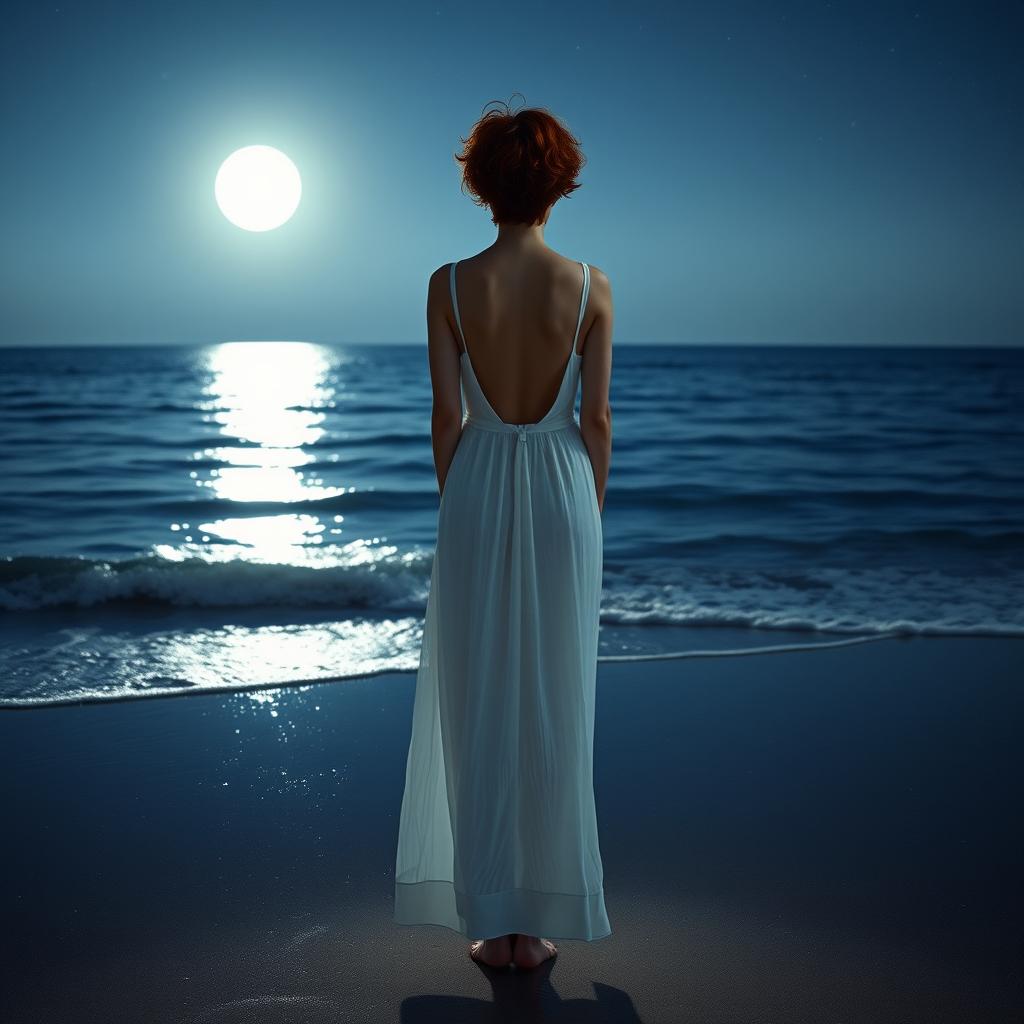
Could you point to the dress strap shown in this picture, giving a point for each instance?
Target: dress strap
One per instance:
(583, 303)
(455, 305)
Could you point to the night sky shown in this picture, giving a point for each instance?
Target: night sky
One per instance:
(757, 173)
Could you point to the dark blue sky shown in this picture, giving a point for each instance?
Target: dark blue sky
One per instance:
(757, 173)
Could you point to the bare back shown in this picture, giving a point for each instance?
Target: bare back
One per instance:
(519, 314)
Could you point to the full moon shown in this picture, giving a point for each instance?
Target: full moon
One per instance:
(258, 188)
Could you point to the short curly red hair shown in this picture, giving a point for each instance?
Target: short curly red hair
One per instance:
(519, 163)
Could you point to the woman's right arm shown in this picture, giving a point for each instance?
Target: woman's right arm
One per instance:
(596, 369)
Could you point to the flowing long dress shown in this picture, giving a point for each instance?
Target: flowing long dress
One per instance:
(498, 828)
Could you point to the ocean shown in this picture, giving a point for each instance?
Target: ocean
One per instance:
(242, 515)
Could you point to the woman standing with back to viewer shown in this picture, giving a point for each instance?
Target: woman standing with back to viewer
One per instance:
(498, 830)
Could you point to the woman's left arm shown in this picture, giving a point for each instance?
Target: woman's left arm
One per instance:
(443, 353)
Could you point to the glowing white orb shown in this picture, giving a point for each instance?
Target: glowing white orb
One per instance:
(258, 188)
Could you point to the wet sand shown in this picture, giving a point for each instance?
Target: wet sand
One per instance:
(829, 835)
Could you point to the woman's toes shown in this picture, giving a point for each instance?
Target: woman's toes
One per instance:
(492, 952)
(530, 953)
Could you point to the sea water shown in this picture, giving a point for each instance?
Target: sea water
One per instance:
(174, 519)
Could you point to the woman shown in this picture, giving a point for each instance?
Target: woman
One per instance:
(498, 831)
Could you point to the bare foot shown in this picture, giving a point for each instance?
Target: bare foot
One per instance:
(531, 951)
(493, 952)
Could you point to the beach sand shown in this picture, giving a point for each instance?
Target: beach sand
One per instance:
(830, 835)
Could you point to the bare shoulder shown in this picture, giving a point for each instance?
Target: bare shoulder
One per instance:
(440, 276)
(600, 299)
(599, 285)
(437, 286)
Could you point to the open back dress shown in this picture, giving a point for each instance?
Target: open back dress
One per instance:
(498, 828)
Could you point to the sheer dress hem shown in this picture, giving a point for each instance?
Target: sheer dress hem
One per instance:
(554, 915)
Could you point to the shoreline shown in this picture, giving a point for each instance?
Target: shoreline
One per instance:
(719, 633)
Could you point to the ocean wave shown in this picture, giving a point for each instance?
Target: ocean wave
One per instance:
(809, 596)
(29, 583)
(809, 622)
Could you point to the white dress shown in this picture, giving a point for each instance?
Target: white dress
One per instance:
(498, 829)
